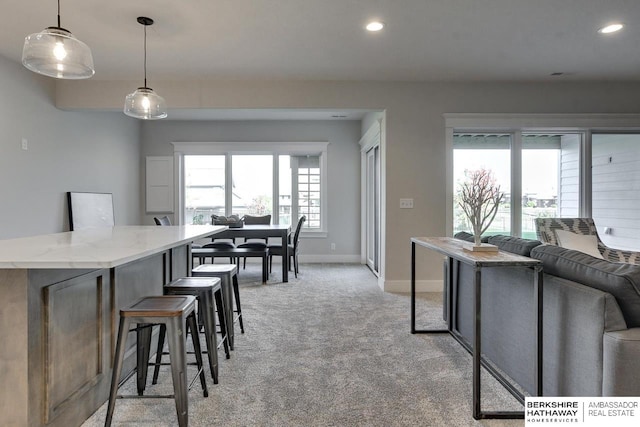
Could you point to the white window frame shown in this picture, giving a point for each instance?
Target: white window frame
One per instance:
(518, 124)
(275, 149)
(295, 196)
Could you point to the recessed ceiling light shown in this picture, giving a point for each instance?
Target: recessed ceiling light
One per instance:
(375, 26)
(612, 28)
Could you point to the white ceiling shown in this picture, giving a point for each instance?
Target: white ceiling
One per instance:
(425, 40)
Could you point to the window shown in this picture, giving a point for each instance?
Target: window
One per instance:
(550, 178)
(204, 192)
(285, 178)
(615, 181)
(490, 152)
(563, 165)
(307, 170)
(547, 182)
(244, 178)
(252, 184)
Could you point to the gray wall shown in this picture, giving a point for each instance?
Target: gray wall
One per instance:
(67, 151)
(343, 166)
(415, 130)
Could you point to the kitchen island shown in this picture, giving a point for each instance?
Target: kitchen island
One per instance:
(60, 295)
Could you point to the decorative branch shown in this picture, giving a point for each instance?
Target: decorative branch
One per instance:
(480, 198)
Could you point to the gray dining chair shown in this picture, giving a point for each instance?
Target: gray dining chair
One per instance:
(277, 250)
(163, 220)
(255, 244)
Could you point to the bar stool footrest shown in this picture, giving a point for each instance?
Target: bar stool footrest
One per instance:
(145, 396)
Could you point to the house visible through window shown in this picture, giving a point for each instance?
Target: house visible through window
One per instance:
(308, 177)
(615, 169)
(491, 152)
(547, 178)
(290, 185)
(551, 166)
(204, 193)
(252, 184)
(285, 178)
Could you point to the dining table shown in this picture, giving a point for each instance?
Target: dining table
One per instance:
(263, 231)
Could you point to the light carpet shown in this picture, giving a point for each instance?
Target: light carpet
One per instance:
(328, 349)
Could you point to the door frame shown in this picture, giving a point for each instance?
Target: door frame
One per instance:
(372, 138)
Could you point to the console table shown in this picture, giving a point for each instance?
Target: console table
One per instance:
(60, 296)
(453, 250)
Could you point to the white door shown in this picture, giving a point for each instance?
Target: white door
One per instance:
(373, 208)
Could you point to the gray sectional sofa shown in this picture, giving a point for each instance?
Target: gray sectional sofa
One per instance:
(591, 320)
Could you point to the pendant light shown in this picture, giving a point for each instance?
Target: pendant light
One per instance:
(55, 52)
(144, 103)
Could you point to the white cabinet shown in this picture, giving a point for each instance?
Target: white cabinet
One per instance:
(159, 184)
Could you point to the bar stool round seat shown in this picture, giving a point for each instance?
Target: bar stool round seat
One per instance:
(206, 290)
(176, 313)
(228, 274)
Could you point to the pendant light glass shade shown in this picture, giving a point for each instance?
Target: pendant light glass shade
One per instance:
(145, 104)
(55, 52)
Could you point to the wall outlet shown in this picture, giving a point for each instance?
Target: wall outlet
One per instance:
(25, 144)
(333, 246)
(406, 203)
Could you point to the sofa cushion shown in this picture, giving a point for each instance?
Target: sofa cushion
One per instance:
(619, 279)
(515, 245)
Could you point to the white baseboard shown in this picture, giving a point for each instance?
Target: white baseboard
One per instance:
(405, 286)
(328, 258)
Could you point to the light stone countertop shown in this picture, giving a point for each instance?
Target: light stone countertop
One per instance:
(98, 247)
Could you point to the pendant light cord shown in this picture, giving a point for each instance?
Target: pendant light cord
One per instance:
(145, 55)
(59, 26)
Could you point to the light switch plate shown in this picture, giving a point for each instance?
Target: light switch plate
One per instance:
(406, 203)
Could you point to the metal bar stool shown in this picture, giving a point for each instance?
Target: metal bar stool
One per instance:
(203, 253)
(176, 313)
(204, 289)
(228, 274)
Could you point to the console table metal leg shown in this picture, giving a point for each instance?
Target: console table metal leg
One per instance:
(477, 357)
(413, 299)
(477, 339)
(538, 304)
(413, 288)
(453, 268)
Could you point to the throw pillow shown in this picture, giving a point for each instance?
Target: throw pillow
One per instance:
(584, 243)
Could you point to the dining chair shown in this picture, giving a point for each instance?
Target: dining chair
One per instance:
(163, 220)
(294, 246)
(224, 220)
(257, 220)
(256, 244)
(223, 246)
